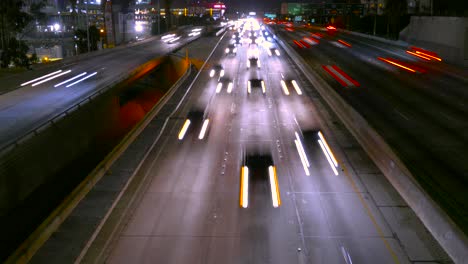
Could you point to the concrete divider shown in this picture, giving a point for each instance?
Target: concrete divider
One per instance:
(29, 247)
(444, 230)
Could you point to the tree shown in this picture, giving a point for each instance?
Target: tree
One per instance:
(395, 10)
(12, 22)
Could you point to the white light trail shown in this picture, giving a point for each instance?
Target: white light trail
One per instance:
(51, 78)
(328, 148)
(302, 149)
(249, 90)
(277, 52)
(82, 79)
(298, 90)
(229, 89)
(244, 187)
(328, 157)
(263, 87)
(302, 158)
(285, 88)
(183, 130)
(204, 128)
(274, 186)
(71, 79)
(40, 78)
(219, 87)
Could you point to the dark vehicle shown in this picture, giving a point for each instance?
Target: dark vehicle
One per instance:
(256, 84)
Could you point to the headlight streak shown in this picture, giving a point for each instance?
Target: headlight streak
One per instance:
(328, 157)
(269, 52)
(302, 149)
(244, 190)
(219, 87)
(227, 50)
(51, 78)
(221, 73)
(296, 87)
(249, 90)
(248, 63)
(71, 79)
(212, 73)
(40, 78)
(263, 87)
(258, 62)
(277, 52)
(328, 148)
(304, 165)
(203, 129)
(82, 79)
(285, 88)
(183, 130)
(275, 195)
(229, 89)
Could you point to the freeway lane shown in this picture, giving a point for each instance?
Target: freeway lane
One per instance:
(188, 210)
(423, 116)
(26, 108)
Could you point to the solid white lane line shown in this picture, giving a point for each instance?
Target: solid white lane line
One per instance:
(71, 79)
(51, 78)
(40, 78)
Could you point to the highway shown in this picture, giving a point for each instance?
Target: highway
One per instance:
(421, 112)
(37, 97)
(197, 203)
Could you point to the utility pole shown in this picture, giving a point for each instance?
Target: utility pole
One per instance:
(87, 25)
(159, 16)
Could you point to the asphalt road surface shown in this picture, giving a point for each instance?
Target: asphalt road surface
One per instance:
(34, 103)
(422, 115)
(194, 206)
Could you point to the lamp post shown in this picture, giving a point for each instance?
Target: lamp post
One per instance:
(159, 16)
(87, 25)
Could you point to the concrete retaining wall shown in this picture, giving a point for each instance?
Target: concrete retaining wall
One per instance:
(41, 155)
(447, 36)
(450, 237)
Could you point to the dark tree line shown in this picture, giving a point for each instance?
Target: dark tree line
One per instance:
(12, 22)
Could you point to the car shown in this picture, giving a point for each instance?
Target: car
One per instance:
(292, 84)
(253, 62)
(224, 83)
(231, 49)
(217, 70)
(273, 51)
(331, 30)
(197, 121)
(258, 169)
(256, 84)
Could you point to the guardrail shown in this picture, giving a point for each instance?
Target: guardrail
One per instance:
(30, 246)
(18, 140)
(444, 230)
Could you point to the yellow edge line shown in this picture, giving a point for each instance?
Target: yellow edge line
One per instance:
(371, 216)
